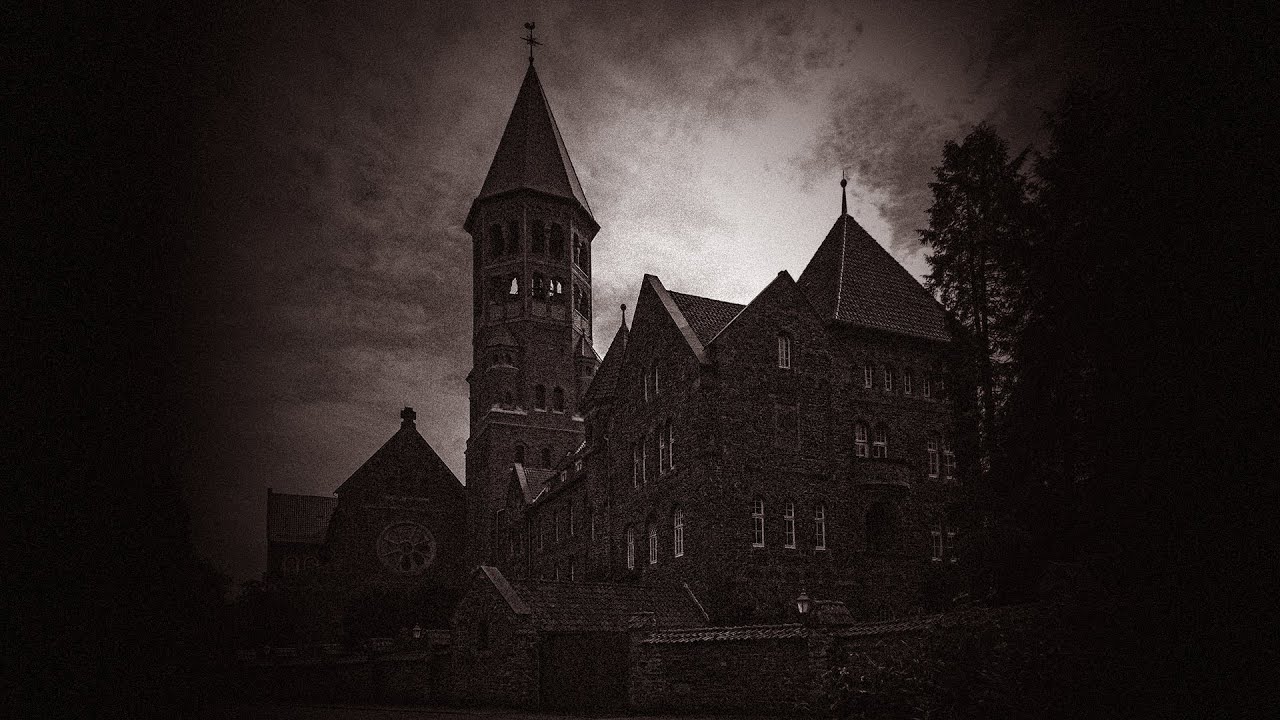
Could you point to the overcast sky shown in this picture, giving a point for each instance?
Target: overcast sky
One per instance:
(342, 145)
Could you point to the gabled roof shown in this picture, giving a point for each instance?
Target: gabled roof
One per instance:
(605, 380)
(531, 154)
(850, 278)
(298, 518)
(706, 317)
(579, 606)
(407, 460)
(532, 481)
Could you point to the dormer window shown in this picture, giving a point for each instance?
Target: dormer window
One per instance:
(784, 351)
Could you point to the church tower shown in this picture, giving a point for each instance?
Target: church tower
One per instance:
(532, 356)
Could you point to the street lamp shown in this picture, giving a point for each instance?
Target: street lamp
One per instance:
(417, 632)
(803, 604)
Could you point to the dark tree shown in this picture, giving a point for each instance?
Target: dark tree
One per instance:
(978, 231)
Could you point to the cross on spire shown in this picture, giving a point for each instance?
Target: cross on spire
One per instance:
(528, 39)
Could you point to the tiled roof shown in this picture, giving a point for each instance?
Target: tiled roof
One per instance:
(706, 316)
(531, 153)
(852, 279)
(605, 380)
(577, 606)
(712, 634)
(885, 627)
(298, 518)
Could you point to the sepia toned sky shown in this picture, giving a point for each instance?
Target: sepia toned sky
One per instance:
(339, 146)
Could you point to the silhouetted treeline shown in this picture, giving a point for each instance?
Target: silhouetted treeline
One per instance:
(1107, 293)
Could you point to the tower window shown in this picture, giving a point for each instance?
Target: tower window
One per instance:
(538, 244)
(539, 397)
(557, 241)
(789, 526)
(495, 241)
(514, 288)
(784, 352)
(880, 443)
(677, 533)
(557, 399)
(820, 528)
(539, 287)
(555, 290)
(757, 523)
(860, 440)
(513, 238)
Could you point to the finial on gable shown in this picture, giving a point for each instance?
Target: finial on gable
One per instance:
(844, 198)
(624, 313)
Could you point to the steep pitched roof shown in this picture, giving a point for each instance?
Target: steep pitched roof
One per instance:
(407, 458)
(531, 154)
(852, 279)
(605, 380)
(577, 606)
(298, 518)
(705, 316)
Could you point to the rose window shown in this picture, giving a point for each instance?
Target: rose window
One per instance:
(406, 548)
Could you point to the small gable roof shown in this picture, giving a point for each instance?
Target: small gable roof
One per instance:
(580, 606)
(298, 518)
(851, 279)
(532, 481)
(407, 458)
(706, 317)
(605, 381)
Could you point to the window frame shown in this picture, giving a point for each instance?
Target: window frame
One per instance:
(789, 526)
(880, 442)
(653, 543)
(784, 351)
(906, 381)
(677, 533)
(931, 451)
(861, 444)
(757, 523)
(888, 379)
(868, 376)
(820, 528)
(631, 547)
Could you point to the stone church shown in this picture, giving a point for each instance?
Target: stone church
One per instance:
(802, 442)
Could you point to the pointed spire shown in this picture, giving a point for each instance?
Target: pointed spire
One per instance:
(844, 198)
(531, 154)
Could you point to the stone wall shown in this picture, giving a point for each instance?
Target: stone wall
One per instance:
(743, 676)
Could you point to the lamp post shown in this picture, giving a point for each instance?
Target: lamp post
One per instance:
(804, 604)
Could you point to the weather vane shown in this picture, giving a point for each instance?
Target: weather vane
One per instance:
(529, 40)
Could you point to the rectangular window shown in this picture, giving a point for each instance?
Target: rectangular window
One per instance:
(757, 523)
(867, 380)
(677, 534)
(573, 569)
(951, 544)
(927, 390)
(631, 548)
(906, 382)
(789, 526)
(644, 460)
(933, 458)
(880, 443)
(662, 449)
(860, 440)
(653, 544)
(820, 528)
(949, 461)
(671, 446)
(888, 379)
(784, 352)
(935, 537)
(635, 466)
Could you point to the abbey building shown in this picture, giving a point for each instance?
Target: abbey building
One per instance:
(744, 454)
